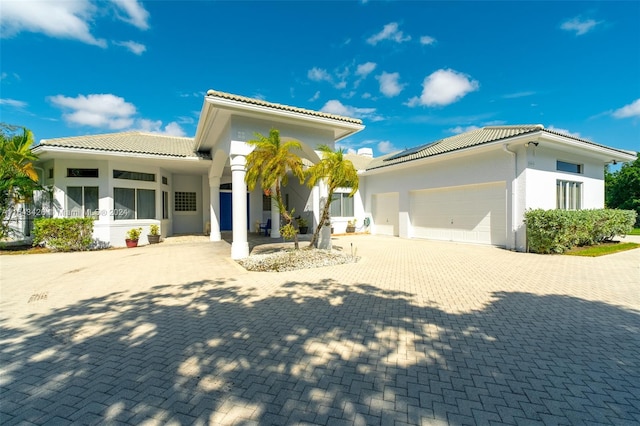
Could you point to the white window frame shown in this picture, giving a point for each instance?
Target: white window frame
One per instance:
(94, 213)
(342, 196)
(568, 195)
(135, 203)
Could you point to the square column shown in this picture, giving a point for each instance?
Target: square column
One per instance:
(214, 206)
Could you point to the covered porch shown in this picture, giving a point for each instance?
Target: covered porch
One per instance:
(227, 122)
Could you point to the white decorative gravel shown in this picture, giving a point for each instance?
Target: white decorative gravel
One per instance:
(291, 260)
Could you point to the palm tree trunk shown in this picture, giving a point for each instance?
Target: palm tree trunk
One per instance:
(286, 215)
(324, 217)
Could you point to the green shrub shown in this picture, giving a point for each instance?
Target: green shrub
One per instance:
(556, 231)
(64, 234)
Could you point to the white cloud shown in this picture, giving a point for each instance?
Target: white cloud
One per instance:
(631, 110)
(66, 19)
(336, 107)
(389, 85)
(96, 110)
(134, 47)
(136, 14)
(366, 95)
(564, 131)
(386, 147)
(60, 19)
(155, 126)
(13, 103)
(389, 32)
(427, 40)
(459, 129)
(315, 96)
(318, 74)
(518, 95)
(347, 149)
(444, 87)
(579, 26)
(365, 69)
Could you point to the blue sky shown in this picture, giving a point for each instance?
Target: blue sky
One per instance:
(414, 72)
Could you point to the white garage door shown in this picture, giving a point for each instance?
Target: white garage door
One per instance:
(385, 214)
(470, 213)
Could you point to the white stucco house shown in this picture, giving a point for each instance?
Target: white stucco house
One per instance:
(473, 187)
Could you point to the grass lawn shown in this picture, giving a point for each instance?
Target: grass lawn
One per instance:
(636, 231)
(601, 249)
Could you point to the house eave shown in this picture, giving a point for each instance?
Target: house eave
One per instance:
(44, 149)
(603, 153)
(215, 110)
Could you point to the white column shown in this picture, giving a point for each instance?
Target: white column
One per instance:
(239, 246)
(214, 206)
(275, 216)
(324, 239)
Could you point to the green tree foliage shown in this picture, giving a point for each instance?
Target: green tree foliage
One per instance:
(622, 188)
(18, 178)
(64, 234)
(337, 172)
(270, 162)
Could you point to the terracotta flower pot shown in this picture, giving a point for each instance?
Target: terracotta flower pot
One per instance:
(131, 243)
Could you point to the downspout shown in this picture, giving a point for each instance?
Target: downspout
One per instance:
(514, 191)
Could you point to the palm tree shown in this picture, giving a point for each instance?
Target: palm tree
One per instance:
(18, 177)
(337, 172)
(271, 162)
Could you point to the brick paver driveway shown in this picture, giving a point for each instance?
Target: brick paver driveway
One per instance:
(417, 332)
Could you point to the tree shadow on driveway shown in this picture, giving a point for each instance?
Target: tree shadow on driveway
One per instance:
(215, 352)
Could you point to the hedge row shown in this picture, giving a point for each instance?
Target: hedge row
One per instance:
(64, 234)
(556, 231)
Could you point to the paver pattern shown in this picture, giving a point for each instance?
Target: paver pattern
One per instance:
(416, 333)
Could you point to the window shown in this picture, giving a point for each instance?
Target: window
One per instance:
(165, 205)
(82, 201)
(341, 205)
(185, 202)
(266, 203)
(50, 173)
(134, 203)
(165, 181)
(123, 174)
(86, 173)
(563, 166)
(568, 195)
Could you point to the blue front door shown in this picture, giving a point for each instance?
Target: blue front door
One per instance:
(226, 211)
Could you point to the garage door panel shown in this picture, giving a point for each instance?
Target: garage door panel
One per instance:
(471, 213)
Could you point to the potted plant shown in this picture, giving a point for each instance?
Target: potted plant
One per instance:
(133, 235)
(303, 225)
(154, 234)
(351, 225)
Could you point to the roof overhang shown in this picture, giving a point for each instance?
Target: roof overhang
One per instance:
(564, 143)
(171, 163)
(217, 112)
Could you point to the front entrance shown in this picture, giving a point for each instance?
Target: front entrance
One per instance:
(226, 211)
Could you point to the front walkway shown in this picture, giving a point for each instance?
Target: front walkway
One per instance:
(417, 332)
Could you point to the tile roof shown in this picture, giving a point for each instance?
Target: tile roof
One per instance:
(259, 102)
(130, 142)
(467, 140)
